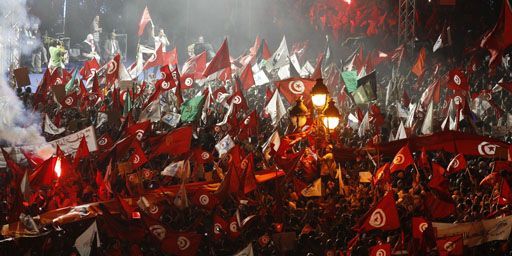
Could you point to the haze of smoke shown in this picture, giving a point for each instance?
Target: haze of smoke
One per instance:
(18, 126)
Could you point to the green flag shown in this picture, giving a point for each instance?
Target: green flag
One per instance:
(366, 89)
(71, 83)
(191, 109)
(350, 79)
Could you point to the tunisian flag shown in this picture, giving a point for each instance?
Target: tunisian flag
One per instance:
(381, 250)
(144, 21)
(402, 159)
(500, 37)
(457, 164)
(419, 225)
(384, 216)
(293, 88)
(220, 61)
(175, 142)
(181, 243)
(193, 70)
(457, 80)
(451, 245)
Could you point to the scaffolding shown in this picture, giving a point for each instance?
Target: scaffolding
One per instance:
(406, 21)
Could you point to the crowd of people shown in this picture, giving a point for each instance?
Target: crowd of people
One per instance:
(216, 181)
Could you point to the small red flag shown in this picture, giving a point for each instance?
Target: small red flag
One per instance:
(419, 225)
(175, 142)
(138, 158)
(294, 88)
(383, 216)
(381, 250)
(81, 152)
(452, 245)
(247, 77)
(234, 228)
(419, 68)
(457, 164)
(112, 70)
(181, 244)
(402, 159)
(500, 37)
(457, 80)
(204, 199)
(220, 227)
(146, 18)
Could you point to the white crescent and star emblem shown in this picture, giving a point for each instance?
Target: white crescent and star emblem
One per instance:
(102, 142)
(165, 85)
(139, 135)
(69, 101)
(457, 79)
(380, 252)
(136, 159)
(457, 100)
(205, 155)
(233, 227)
(422, 227)
(449, 246)
(189, 81)
(153, 209)
(204, 199)
(399, 159)
(378, 218)
(455, 163)
(485, 148)
(296, 87)
(216, 228)
(183, 243)
(112, 67)
(58, 81)
(237, 100)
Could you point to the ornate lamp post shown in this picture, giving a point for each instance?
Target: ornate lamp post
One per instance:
(299, 114)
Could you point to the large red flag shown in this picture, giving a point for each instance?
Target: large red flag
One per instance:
(438, 207)
(90, 68)
(500, 37)
(220, 60)
(81, 152)
(139, 129)
(452, 245)
(402, 159)
(381, 250)
(249, 180)
(144, 21)
(382, 174)
(457, 164)
(112, 72)
(247, 77)
(383, 216)
(234, 228)
(175, 142)
(293, 88)
(205, 199)
(220, 227)
(193, 70)
(419, 68)
(44, 174)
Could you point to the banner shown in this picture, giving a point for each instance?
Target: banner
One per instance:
(476, 233)
(449, 141)
(68, 145)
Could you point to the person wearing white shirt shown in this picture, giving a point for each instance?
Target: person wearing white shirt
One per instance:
(161, 40)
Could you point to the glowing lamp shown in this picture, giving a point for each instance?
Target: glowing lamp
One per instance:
(331, 116)
(299, 114)
(319, 94)
(58, 167)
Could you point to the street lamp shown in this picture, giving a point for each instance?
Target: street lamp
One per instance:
(319, 94)
(331, 116)
(299, 114)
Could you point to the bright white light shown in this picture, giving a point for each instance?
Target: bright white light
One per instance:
(348, 1)
(331, 122)
(57, 168)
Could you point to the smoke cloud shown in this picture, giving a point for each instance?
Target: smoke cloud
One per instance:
(18, 126)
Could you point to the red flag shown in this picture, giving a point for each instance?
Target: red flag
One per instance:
(505, 193)
(249, 127)
(175, 142)
(138, 158)
(249, 180)
(176, 76)
(438, 207)
(156, 59)
(12, 165)
(90, 68)
(424, 161)
(380, 250)
(457, 80)
(419, 68)
(170, 57)
(70, 100)
(220, 227)
(202, 156)
(144, 21)
(81, 152)
(452, 245)
(419, 225)
(317, 74)
(382, 174)
(457, 164)
(193, 69)
(432, 93)
(234, 228)
(205, 199)
(239, 102)
(179, 243)
(383, 216)
(402, 159)
(112, 72)
(139, 129)
(220, 60)
(44, 174)
(247, 77)
(293, 88)
(500, 37)
(438, 182)
(105, 142)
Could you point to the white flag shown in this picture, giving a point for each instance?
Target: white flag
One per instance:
(227, 115)
(295, 62)
(172, 168)
(410, 118)
(314, 189)
(83, 243)
(307, 69)
(353, 122)
(400, 134)
(426, 128)
(151, 112)
(51, 128)
(275, 108)
(364, 126)
(247, 251)
(225, 145)
(101, 119)
(260, 77)
(280, 56)
(284, 72)
(438, 43)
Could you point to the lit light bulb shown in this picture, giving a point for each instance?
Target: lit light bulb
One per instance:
(58, 169)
